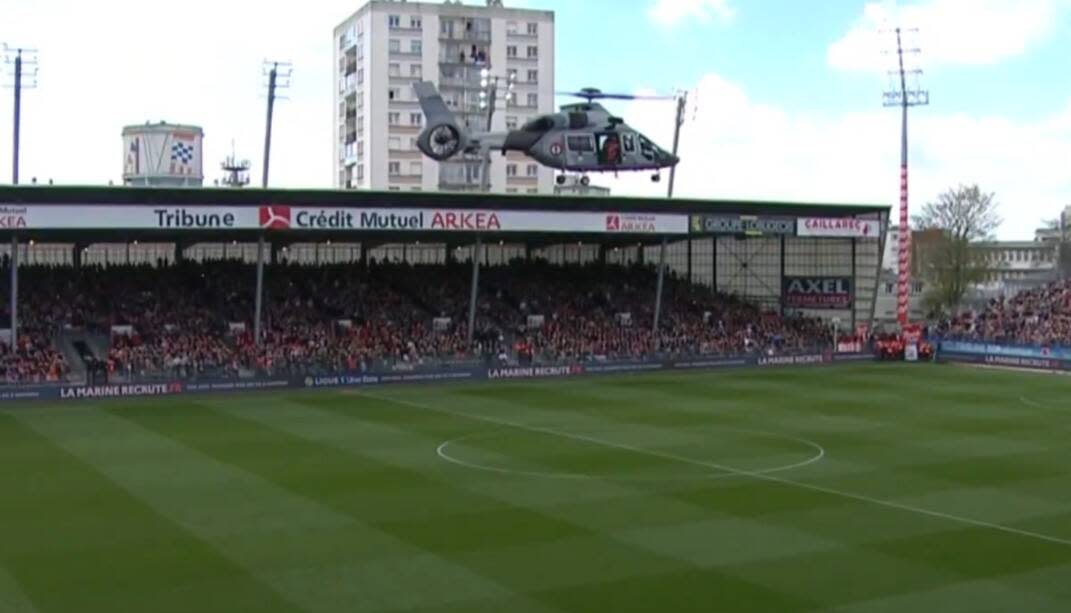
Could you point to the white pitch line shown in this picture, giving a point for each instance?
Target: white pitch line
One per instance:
(821, 453)
(729, 469)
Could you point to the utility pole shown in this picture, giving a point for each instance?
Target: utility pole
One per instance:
(278, 78)
(488, 102)
(22, 68)
(900, 95)
(22, 65)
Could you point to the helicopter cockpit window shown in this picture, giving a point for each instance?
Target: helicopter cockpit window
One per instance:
(647, 148)
(628, 141)
(580, 143)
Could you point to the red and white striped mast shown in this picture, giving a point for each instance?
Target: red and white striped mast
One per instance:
(904, 97)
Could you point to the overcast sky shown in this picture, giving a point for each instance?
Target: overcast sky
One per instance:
(786, 95)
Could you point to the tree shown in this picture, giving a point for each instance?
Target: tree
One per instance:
(947, 258)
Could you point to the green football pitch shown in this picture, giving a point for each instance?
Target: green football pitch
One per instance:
(853, 488)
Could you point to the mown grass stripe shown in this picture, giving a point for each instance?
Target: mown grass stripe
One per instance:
(75, 540)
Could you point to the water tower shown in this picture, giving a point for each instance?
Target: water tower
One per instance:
(162, 155)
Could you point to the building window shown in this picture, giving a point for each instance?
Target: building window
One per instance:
(511, 51)
(412, 143)
(394, 188)
(511, 190)
(532, 170)
(416, 71)
(360, 172)
(511, 27)
(533, 52)
(511, 170)
(416, 119)
(533, 190)
(360, 76)
(511, 74)
(533, 100)
(533, 76)
(511, 122)
(360, 123)
(416, 47)
(415, 23)
(393, 93)
(394, 168)
(533, 29)
(394, 143)
(416, 169)
(394, 45)
(394, 21)
(394, 118)
(394, 69)
(360, 148)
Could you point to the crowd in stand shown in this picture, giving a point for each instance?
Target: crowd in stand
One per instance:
(1040, 316)
(195, 319)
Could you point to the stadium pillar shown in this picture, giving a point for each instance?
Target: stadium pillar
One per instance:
(14, 291)
(259, 300)
(658, 292)
(475, 286)
(689, 260)
(714, 263)
(855, 285)
(781, 281)
(76, 255)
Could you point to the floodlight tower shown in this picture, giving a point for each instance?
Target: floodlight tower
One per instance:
(278, 74)
(905, 97)
(678, 123)
(489, 85)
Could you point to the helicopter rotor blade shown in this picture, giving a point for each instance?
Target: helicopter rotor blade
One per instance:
(594, 95)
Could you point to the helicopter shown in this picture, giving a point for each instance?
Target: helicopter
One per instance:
(582, 137)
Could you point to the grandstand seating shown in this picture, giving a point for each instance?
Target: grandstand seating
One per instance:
(194, 319)
(1036, 317)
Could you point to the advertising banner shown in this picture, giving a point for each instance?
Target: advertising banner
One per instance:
(290, 218)
(743, 225)
(839, 227)
(169, 388)
(817, 292)
(1021, 351)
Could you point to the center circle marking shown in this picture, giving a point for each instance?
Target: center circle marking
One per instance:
(716, 473)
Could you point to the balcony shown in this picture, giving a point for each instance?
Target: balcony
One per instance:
(468, 36)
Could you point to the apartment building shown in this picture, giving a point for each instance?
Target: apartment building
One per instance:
(388, 45)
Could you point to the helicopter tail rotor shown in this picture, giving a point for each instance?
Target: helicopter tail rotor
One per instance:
(443, 138)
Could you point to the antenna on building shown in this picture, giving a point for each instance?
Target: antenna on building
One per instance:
(237, 171)
(904, 95)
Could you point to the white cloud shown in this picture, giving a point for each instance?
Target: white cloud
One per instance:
(672, 12)
(950, 32)
(145, 61)
(737, 148)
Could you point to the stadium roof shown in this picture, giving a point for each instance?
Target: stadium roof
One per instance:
(38, 194)
(91, 213)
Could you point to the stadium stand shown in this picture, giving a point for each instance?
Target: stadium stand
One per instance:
(192, 320)
(1035, 317)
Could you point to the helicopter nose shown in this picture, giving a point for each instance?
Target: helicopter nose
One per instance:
(670, 159)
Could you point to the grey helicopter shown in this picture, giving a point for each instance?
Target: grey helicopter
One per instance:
(583, 137)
